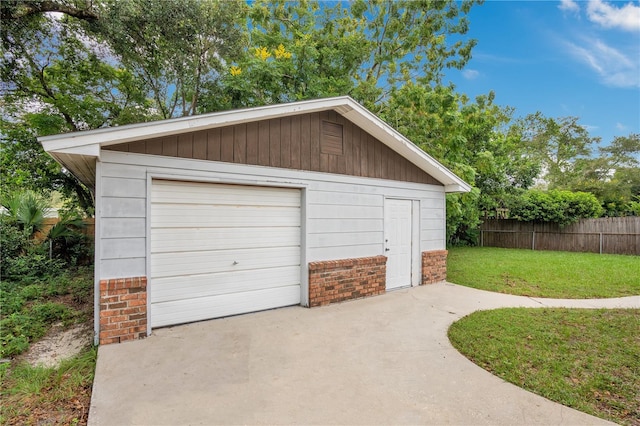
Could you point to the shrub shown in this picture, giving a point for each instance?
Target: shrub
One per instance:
(561, 207)
(22, 258)
(68, 242)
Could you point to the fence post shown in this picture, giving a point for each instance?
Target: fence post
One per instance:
(601, 243)
(481, 238)
(533, 239)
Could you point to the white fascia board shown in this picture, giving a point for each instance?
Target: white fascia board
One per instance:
(457, 188)
(92, 150)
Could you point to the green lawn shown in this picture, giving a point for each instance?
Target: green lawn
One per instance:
(544, 273)
(585, 359)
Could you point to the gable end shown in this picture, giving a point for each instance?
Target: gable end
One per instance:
(320, 141)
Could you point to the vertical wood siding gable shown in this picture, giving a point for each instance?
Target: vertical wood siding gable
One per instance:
(292, 142)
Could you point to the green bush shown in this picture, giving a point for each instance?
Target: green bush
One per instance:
(561, 207)
(23, 258)
(68, 242)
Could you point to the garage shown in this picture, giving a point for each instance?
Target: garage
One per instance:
(220, 250)
(307, 203)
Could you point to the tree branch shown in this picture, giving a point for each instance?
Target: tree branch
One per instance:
(24, 9)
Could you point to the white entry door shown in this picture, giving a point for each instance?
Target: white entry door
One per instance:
(397, 235)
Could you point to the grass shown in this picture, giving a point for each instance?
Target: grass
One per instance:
(28, 309)
(586, 359)
(544, 273)
(38, 395)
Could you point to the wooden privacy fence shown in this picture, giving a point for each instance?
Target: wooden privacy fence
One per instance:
(612, 235)
(88, 230)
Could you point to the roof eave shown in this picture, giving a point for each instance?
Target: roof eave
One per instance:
(71, 148)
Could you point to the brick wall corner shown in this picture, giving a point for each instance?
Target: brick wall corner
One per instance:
(434, 266)
(123, 309)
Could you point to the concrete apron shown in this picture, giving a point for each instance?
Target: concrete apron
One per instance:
(381, 360)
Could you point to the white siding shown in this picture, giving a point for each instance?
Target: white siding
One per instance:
(433, 221)
(344, 214)
(122, 221)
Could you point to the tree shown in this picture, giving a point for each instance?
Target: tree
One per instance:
(15, 10)
(613, 176)
(24, 165)
(623, 151)
(365, 49)
(559, 144)
(177, 49)
(473, 139)
(55, 83)
(76, 71)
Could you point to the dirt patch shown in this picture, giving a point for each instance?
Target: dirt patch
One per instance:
(59, 344)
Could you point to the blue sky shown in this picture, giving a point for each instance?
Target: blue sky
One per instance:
(562, 58)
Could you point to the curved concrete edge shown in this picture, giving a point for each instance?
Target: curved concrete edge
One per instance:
(475, 299)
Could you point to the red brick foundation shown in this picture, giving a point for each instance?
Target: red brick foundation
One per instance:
(123, 309)
(434, 266)
(334, 281)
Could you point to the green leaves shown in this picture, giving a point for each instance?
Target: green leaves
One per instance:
(174, 48)
(26, 209)
(103, 64)
(561, 207)
(365, 49)
(558, 144)
(473, 139)
(566, 152)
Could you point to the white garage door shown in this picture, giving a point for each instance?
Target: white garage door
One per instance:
(219, 250)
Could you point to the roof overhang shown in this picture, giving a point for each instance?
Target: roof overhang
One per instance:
(78, 151)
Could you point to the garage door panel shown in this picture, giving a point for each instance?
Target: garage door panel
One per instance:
(219, 194)
(219, 250)
(202, 308)
(167, 240)
(175, 288)
(228, 198)
(179, 216)
(206, 262)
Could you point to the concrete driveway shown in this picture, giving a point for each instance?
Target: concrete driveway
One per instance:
(381, 360)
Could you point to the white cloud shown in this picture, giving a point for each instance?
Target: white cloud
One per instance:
(614, 67)
(569, 6)
(626, 17)
(621, 127)
(470, 74)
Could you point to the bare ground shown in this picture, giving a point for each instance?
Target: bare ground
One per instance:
(59, 344)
